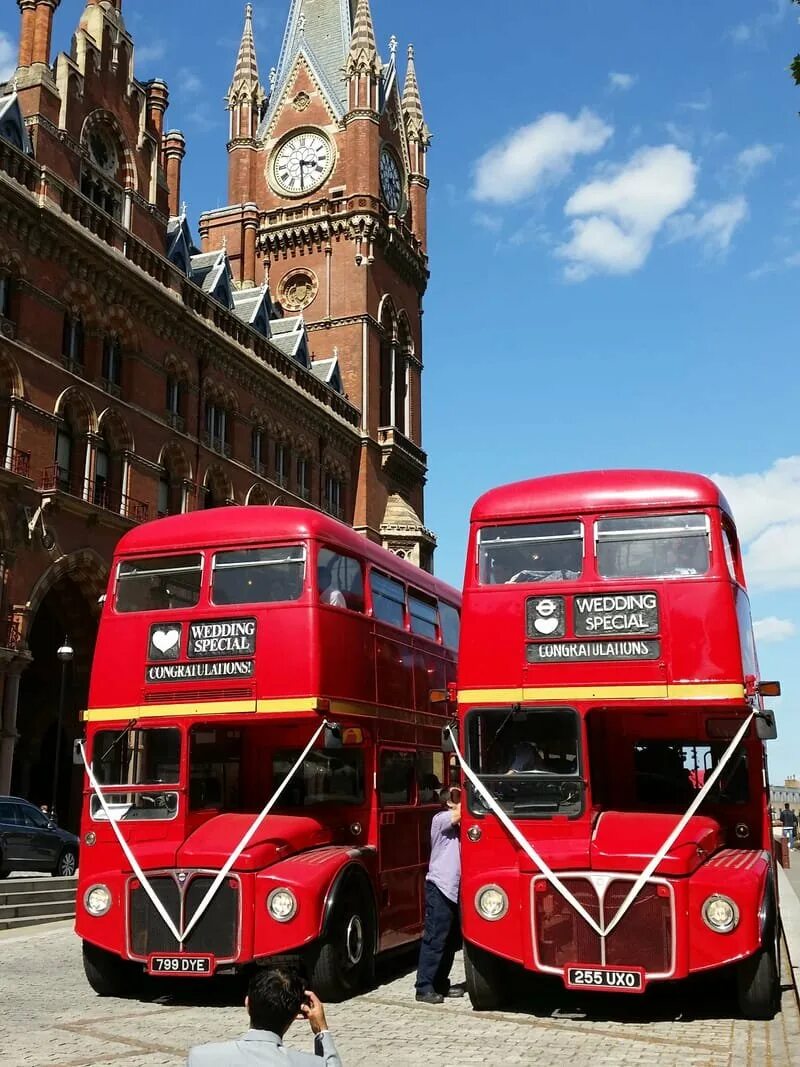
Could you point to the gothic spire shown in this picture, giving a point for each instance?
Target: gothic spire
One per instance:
(412, 105)
(245, 75)
(363, 56)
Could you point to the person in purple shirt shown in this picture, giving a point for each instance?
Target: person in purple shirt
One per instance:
(442, 934)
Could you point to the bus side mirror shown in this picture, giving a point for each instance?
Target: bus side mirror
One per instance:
(77, 758)
(332, 736)
(449, 740)
(766, 727)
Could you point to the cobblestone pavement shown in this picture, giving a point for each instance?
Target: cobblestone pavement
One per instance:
(49, 1016)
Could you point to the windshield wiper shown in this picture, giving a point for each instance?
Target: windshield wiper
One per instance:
(116, 740)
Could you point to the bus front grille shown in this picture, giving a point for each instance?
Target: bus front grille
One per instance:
(181, 892)
(644, 937)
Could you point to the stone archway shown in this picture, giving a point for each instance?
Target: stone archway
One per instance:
(65, 602)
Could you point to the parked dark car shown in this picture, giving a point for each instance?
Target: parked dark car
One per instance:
(30, 841)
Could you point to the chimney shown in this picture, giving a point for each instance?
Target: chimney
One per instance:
(27, 18)
(173, 149)
(43, 31)
(157, 104)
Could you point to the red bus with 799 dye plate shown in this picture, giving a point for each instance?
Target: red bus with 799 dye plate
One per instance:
(263, 751)
(611, 726)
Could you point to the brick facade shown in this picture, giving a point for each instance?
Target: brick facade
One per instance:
(129, 387)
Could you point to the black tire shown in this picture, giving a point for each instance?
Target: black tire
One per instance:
(108, 975)
(758, 981)
(486, 977)
(67, 864)
(342, 962)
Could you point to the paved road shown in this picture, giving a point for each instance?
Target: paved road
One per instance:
(49, 1016)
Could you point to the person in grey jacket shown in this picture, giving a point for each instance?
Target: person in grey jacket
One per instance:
(276, 996)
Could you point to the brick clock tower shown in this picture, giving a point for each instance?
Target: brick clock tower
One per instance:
(327, 201)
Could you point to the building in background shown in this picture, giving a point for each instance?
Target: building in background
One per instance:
(275, 359)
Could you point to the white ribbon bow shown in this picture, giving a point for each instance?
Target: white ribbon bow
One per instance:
(181, 936)
(552, 877)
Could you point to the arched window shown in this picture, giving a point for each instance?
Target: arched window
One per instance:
(218, 427)
(73, 337)
(174, 480)
(111, 466)
(334, 495)
(386, 372)
(282, 460)
(101, 495)
(65, 448)
(258, 449)
(304, 477)
(112, 364)
(176, 396)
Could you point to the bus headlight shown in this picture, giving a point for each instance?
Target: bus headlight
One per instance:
(491, 902)
(720, 914)
(282, 905)
(97, 900)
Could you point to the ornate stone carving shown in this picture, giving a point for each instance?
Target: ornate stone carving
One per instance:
(298, 289)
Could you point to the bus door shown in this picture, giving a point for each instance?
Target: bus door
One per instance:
(401, 865)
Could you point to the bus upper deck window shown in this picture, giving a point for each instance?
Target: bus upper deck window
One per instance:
(159, 583)
(423, 614)
(340, 581)
(451, 624)
(258, 575)
(653, 546)
(534, 552)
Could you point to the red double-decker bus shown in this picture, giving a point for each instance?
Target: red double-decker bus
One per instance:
(241, 650)
(611, 721)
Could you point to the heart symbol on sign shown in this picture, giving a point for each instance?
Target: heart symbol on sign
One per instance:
(546, 626)
(164, 640)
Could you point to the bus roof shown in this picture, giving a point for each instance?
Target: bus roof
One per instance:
(251, 525)
(594, 491)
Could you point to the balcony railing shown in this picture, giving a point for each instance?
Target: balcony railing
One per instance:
(56, 479)
(18, 462)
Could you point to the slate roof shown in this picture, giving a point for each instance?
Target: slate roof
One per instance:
(254, 308)
(290, 337)
(324, 38)
(328, 371)
(12, 123)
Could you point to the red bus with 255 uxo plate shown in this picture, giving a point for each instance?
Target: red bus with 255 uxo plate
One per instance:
(611, 727)
(245, 652)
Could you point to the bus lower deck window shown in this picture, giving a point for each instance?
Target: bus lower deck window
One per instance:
(533, 552)
(655, 546)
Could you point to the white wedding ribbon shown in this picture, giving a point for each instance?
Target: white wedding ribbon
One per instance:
(673, 837)
(137, 870)
(523, 843)
(181, 936)
(554, 880)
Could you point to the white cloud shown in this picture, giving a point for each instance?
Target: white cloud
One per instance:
(8, 57)
(771, 266)
(771, 630)
(700, 103)
(741, 33)
(766, 506)
(754, 33)
(188, 82)
(714, 227)
(626, 211)
(752, 159)
(490, 223)
(150, 53)
(537, 153)
(621, 82)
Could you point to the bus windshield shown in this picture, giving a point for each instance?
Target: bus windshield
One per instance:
(527, 758)
(258, 575)
(534, 552)
(159, 583)
(131, 758)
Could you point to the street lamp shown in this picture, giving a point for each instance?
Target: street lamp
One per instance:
(65, 654)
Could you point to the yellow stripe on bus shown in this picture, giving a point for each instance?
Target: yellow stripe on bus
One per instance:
(229, 707)
(679, 691)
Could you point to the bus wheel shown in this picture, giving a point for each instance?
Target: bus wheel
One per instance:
(108, 975)
(759, 983)
(485, 978)
(342, 962)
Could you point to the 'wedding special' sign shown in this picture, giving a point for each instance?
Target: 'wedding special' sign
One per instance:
(216, 648)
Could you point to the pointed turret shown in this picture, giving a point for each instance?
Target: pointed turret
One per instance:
(416, 126)
(419, 139)
(363, 68)
(246, 96)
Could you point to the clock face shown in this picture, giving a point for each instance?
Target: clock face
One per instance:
(302, 163)
(391, 181)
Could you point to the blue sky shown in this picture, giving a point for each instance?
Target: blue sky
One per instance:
(614, 223)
